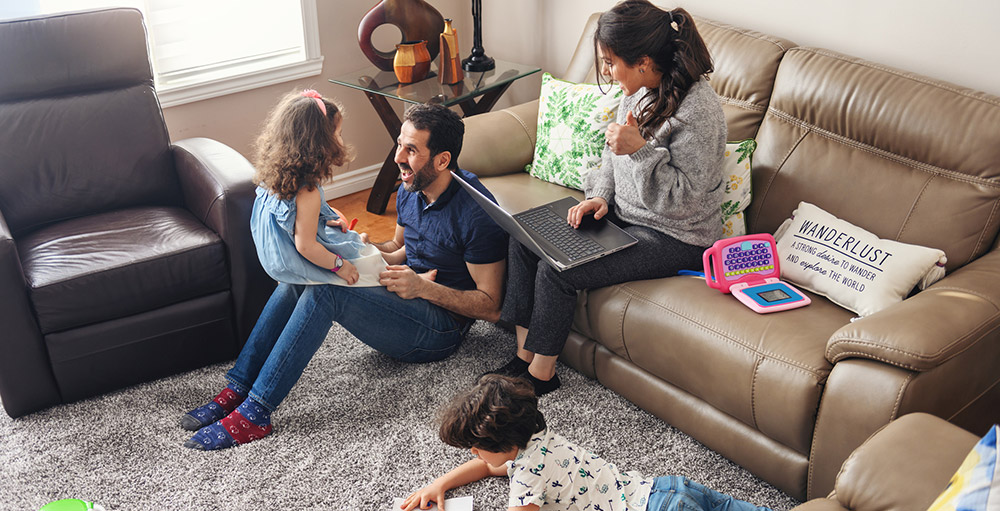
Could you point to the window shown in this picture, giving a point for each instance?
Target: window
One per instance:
(203, 49)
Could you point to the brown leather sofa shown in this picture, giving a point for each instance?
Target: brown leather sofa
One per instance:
(123, 258)
(902, 467)
(790, 395)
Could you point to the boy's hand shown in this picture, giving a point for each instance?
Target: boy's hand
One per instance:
(423, 498)
(348, 272)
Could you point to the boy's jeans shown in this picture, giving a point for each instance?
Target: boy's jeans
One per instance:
(296, 320)
(678, 493)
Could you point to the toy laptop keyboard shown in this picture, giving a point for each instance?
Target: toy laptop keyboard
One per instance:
(747, 266)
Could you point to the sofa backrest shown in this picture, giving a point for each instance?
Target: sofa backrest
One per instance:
(906, 157)
(745, 64)
(81, 129)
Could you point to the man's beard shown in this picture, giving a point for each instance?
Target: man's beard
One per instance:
(422, 177)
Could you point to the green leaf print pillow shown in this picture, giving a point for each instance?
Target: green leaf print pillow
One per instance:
(736, 173)
(572, 119)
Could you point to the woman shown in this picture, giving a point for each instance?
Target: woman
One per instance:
(660, 179)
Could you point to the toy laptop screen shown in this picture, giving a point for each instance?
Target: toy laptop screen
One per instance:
(749, 260)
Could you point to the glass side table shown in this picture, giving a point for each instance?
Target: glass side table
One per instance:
(381, 86)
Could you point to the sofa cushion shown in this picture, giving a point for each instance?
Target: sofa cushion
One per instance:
(115, 264)
(920, 165)
(766, 370)
(572, 120)
(850, 265)
(745, 64)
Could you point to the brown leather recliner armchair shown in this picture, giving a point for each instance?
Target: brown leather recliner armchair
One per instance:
(123, 258)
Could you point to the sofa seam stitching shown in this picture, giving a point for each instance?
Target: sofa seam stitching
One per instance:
(743, 103)
(982, 233)
(524, 126)
(753, 392)
(913, 207)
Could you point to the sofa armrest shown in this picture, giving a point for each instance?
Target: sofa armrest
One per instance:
(925, 330)
(26, 380)
(500, 142)
(905, 465)
(218, 188)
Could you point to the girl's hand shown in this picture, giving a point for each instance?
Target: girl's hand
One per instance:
(364, 237)
(596, 205)
(423, 497)
(624, 138)
(348, 272)
(340, 222)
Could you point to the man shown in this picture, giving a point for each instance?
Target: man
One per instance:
(446, 268)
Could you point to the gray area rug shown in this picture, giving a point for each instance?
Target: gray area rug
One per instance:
(355, 432)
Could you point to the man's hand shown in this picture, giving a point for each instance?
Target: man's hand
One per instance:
(624, 138)
(423, 497)
(596, 205)
(403, 281)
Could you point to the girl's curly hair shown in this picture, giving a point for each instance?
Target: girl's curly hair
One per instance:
(496, 415)
(297, 146)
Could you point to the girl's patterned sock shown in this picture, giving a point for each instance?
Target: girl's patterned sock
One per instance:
(250, 421)
(217, 408)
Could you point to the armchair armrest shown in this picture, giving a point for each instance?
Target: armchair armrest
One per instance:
(905, 465)
(26, 380)
(925, 330)
(218, 188)
(500, 142)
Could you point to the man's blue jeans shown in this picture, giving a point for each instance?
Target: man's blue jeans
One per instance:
(297, 318)
(678, 493)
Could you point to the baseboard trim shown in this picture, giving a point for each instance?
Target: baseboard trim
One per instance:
(351, 182)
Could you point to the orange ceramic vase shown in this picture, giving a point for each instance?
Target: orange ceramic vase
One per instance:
(412, 61)
(450, 64)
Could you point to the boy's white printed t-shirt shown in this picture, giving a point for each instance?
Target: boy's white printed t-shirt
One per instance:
(555, 474)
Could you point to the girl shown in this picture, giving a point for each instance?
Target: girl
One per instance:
(660, 179)
(499, 422)
(300, 240)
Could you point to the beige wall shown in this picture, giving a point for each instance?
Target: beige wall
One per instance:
(954, 41)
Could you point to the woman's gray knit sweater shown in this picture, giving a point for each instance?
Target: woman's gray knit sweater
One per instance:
(674, 183)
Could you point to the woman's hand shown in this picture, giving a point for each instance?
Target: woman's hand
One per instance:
(423, 497)
(348, 272)
(624, 138)
(596, 205)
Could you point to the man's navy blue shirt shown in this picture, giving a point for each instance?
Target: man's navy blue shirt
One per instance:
(452, 231)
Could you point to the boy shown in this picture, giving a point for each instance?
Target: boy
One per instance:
(499, 422)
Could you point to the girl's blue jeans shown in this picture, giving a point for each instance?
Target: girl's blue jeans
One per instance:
(678, 493)
(297, 318)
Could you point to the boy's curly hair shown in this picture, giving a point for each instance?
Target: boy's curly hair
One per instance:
(297, 147)
(496, 415)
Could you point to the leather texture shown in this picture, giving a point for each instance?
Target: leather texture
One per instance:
(122, 259)
(791, 395)
(903, 466)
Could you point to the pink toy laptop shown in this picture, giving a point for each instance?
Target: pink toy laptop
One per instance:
(747, 266)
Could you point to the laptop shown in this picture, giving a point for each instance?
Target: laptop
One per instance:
(545, 232)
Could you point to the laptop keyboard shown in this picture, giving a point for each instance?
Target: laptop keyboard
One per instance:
(558, 232)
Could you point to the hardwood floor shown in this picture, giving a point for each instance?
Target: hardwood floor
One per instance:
(379, 227)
